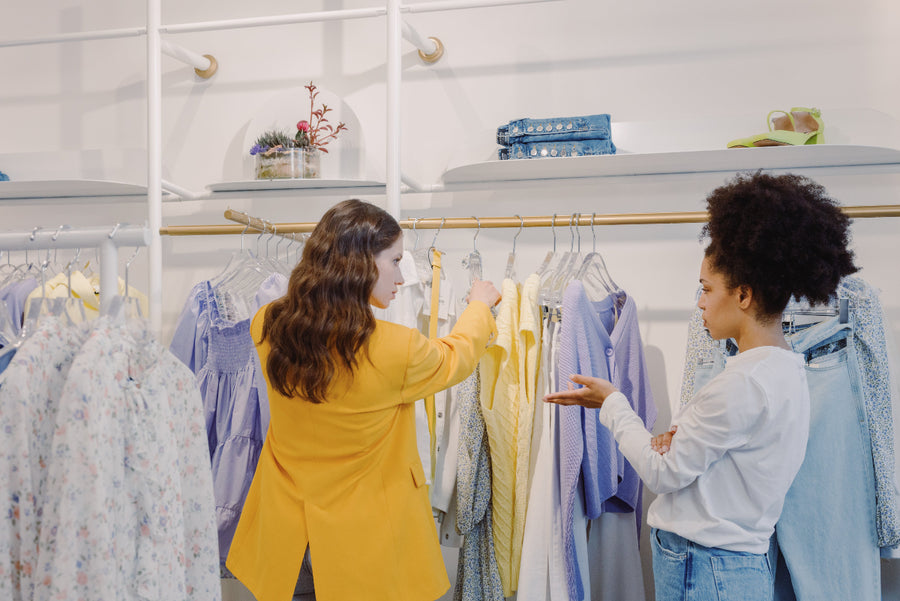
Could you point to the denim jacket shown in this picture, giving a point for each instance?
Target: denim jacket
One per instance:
(588, 127)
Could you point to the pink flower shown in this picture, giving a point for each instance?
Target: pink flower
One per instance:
(303, 126)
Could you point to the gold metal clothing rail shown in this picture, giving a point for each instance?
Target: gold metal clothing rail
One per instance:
(579, 219)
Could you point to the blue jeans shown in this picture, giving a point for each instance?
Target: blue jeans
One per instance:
(686, 571)
(586, 127)
(826, 534)
(538, 150)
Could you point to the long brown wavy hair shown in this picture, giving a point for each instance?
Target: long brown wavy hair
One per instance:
(324, 320)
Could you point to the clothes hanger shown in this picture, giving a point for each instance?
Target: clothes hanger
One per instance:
(71, 303)
(593, 273)
(6, 268)
(271, 262)
(55, 267)
(281, 266)
(511, 261)
(550, 254)
(472, 262)
(37, 306)
(568, 268)
(433, 248)
(548, 285)
(235, 294)
(236, 260)
(420, 257)
(26, 269)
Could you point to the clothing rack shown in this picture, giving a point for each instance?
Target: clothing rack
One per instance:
(576, 219)
(107, 239)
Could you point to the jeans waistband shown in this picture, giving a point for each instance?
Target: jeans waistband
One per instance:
(585, 127)
(820, 334)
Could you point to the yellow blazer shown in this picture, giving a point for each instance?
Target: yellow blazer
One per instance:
(345, 476)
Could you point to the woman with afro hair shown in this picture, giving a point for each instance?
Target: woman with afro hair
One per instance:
(721, 484)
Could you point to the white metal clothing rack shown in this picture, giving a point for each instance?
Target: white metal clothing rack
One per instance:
(430, 50)
(106, 239)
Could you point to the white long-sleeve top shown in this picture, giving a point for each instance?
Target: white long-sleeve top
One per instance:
(739, 444)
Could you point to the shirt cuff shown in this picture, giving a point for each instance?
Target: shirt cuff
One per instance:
(613, 405)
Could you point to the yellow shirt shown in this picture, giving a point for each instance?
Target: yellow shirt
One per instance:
(529, 344)
(87, 290)
(345, 477)
(500, 408)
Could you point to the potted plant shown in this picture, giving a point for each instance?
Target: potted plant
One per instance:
(278, 155)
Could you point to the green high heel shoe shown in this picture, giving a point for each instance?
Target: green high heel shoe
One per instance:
(798, 127)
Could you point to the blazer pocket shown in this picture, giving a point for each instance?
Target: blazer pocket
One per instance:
(418, 474)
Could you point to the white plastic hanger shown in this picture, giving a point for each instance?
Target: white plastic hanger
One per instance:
(593, 273)
(472, 262)
(511, 261)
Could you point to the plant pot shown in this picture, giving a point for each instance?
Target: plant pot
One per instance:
(293, 163)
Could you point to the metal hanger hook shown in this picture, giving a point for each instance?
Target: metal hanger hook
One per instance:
(440, 227)
(521, 227)
(246, 227)
(553, 230)
(112, 234)
(262, 232)
(593, 233)
(269, 239)
(280, 240)
(128, 263)
(415, 221)
(578, 229)
(477, 231)
(55, 236)
(571, 233)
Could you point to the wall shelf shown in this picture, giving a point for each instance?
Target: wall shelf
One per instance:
(258, 185)
(695, 161)
(67, 189)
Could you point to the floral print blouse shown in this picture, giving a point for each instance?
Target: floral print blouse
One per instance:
(113, 498)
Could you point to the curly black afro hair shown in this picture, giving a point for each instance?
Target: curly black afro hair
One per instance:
(780, 235)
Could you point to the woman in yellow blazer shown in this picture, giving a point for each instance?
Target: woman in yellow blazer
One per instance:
(339, 470)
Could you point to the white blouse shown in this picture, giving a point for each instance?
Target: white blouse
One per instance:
(739, 444)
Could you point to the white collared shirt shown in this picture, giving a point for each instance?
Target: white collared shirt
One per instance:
(739, 444)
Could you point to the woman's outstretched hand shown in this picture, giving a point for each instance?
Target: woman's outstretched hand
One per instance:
(592, 395)
(484, 291)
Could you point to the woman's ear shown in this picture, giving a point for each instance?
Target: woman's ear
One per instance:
(745, 296)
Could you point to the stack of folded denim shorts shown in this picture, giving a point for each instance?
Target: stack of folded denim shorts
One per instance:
(555, 137)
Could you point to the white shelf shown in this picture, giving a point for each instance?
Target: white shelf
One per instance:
(257, 185)
(64, 189)
(696, 161)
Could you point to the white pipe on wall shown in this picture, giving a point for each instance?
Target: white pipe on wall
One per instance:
(197, 61)
(314, 17)
(416, 39)
(463, 4)
(394, 55)
(154, 161)
(333, 15)
(78, 37)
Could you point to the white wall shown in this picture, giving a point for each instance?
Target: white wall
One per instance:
(697, 73)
